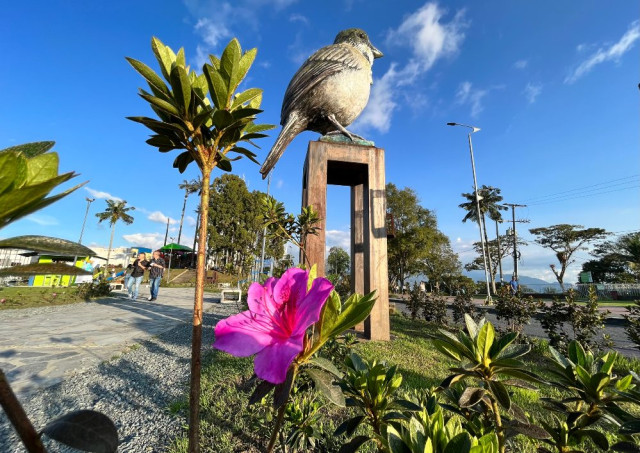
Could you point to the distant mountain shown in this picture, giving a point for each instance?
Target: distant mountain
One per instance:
(535, 284)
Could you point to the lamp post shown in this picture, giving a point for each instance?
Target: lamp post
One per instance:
(478, 213)
(170, 256)
(84, 222)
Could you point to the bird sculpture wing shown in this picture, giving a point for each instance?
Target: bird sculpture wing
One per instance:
(322, 64)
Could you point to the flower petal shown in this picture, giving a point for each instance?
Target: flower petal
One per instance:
(308, 309)
(273, 362)
(291, 286)
(240, 335)
(260, 297)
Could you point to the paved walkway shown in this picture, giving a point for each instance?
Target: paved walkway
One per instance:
(38, 347)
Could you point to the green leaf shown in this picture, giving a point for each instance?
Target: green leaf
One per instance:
(243, 67)
(472, 327)
(607, 366)
(245, 97)
(501, 394)
(182, 161)
(326, 365)
(502, 343)
(354, 444)
(282, 391)
(229, 61)
(163, 55)
(355, 310)
(180, 58)
(224, 165)
(404, 405)
(149, 74)
(13, 170)
(596, 436)
(324, 384)
(485, 339)
(84, 430)
(624, 383)
(447, 349)
(181, 87)
(222, 119)
(217, 86)
(395, 442)
(245, 152)
(329, 315)
(262, 390)
(626, 447)
(471, 396)
(577, 353)
(161, 104)
(349, 426)
(529, 430)
(245, 112)
(30, 149)
(630, 427)
(41, 168)
(461, 443)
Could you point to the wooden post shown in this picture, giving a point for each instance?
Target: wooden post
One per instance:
(362, 169)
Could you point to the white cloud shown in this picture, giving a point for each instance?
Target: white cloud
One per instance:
(150, 240)
(159, 217)
(101, 195)
(429, 39)
(280, 184)
(610, 53)
(190, 221)
(532, 91)
(43, 219)
(338, 238)
(295, 17)
(467, 95)
(521, 64)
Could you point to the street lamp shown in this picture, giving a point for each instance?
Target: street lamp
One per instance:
(89, 201)
(478, 213)
(170, 256)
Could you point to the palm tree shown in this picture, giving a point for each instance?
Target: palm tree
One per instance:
(489, 200)
(116, 210)
(189, 187)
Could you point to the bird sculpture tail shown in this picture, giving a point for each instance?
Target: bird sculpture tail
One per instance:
(292, 127)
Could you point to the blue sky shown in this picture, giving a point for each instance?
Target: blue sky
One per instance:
(553, 86)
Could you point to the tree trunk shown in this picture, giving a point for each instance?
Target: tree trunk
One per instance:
(196, 340)
(184, 206)
(195, 238)
(486, 241)
(113, 230)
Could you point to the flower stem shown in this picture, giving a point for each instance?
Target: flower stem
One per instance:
(499, 429)
(276, 428)
(12, 407)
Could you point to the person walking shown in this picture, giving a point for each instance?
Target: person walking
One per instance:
(156, 269)
(139, 266)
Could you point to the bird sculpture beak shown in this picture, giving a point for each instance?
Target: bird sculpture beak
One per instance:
(376, 52)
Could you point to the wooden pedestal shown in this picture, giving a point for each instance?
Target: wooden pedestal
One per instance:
(362, 169)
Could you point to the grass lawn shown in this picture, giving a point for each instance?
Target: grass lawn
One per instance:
(228, 425)
(28, 297)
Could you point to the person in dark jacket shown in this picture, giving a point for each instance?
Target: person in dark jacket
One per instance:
(156, 269)
(139, 266)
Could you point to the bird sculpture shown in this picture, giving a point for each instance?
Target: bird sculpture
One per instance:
(328, 92)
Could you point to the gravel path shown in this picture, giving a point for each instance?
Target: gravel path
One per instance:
(134, 390)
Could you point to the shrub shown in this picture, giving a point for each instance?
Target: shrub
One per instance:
(434, 309)
(516, 310)
(633, 323)
(90, 290)
(564, 321)
(462, 304)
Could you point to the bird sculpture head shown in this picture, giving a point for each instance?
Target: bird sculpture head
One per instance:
(358, 38)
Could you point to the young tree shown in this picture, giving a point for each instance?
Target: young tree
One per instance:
(616, 261)
(565, 240)
(489, 205)
(202, 115)
(497, 253)
(189, 187)
(338, 261)
(116, 210)
(441, 263)
(416, 232)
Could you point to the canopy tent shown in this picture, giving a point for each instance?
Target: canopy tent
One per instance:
(46, 245)
(176, 247)
(43, 269)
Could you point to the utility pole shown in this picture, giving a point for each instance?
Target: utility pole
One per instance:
(89, 201)
(515, 236)
(166, 234)
(499, 252)
(264, 238)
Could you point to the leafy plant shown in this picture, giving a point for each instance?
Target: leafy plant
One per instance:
(416, 300)
(594, 395)
(434, 309)
(516, 310)
(203, 115)
(371, 388)
(463, 304)
(93, 289)
(583, 322)
(28, 173)
(492, 363)
(633, 323)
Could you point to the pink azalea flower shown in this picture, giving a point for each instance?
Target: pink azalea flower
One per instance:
(274, 326)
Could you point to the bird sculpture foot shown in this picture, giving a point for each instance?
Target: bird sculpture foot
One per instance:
(353, 137)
